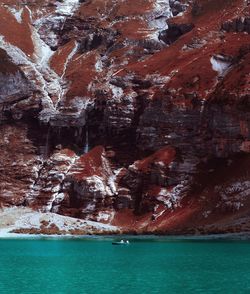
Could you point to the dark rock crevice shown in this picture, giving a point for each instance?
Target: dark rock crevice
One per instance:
(174, 32)
(241, 24)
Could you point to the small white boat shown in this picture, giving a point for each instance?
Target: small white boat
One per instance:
(122, 242)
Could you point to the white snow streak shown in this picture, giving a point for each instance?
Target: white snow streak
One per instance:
(16, 13)
(219, 65)
(67, 7)
(70, 56)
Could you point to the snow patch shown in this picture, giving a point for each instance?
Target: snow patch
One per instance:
(86, 144)
(90, 207)
(61, 86)
(105, 216)
(206, 213)
(17, 13)
(99, 65)
(173, 197)
(203, 102)
(43, 52)
(82, 103)
(116, 91)
(96, 184)
(112, 181)
(67, 7)
(220, 64)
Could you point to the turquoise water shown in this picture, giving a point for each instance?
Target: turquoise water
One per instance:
(145, 266)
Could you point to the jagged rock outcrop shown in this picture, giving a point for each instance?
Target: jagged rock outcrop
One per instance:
(130, 114)
(174, 32)
(240, 24)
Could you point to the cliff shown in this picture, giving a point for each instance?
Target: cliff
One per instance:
(134, 114)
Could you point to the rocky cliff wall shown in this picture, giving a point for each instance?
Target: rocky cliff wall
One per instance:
(131, 114)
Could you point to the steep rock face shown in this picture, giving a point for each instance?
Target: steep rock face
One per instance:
(18, 164)
(132, 114)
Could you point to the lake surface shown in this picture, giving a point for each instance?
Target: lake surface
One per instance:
(155, 265)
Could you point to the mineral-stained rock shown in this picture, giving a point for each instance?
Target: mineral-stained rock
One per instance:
(18, 164)
(129, 113)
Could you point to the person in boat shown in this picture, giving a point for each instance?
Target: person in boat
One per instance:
(122, 241)
(127, 242)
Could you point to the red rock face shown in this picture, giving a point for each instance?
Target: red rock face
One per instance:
(135, 114)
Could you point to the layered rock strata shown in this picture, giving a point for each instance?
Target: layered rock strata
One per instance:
(131, 114)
